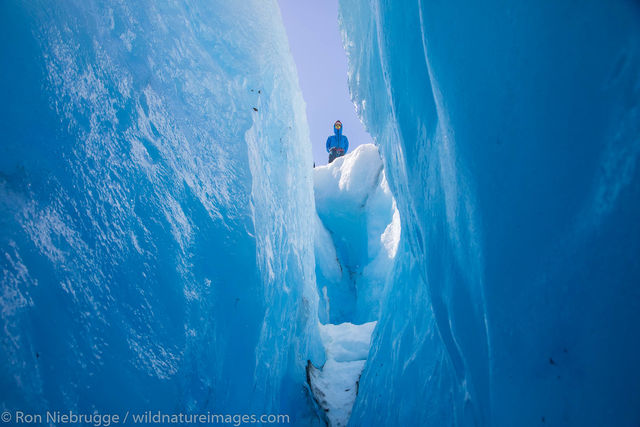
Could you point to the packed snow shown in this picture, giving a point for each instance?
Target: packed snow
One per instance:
(335, 386)
(346, 342)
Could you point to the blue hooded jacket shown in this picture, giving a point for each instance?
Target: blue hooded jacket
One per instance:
(338, 140)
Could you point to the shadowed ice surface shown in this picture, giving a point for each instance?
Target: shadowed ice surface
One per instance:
(511, 137)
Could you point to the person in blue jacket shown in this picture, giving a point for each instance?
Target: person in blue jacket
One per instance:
(337, 144)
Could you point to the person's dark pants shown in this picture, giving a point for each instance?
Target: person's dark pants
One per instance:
(334, 154)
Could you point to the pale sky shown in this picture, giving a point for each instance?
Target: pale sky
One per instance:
(316, 45)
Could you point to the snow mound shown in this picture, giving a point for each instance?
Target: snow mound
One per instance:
(349, 179)
(357, 236)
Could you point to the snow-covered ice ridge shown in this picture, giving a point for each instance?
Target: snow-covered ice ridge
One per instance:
(357, 235)
(358, 230)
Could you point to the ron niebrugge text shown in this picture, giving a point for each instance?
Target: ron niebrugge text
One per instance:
(146, 417)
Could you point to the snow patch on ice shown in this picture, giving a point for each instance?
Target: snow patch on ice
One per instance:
(346, 341)
(335, 386)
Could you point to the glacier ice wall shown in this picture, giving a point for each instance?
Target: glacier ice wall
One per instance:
(155, 193)
(511, 136)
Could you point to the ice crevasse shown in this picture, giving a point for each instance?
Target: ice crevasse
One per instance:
(357, 237)
(162, 247)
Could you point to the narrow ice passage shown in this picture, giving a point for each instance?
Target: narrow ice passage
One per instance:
(357, 234)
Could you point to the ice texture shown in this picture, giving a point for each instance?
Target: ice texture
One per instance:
(510, 133)
(155, 201)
